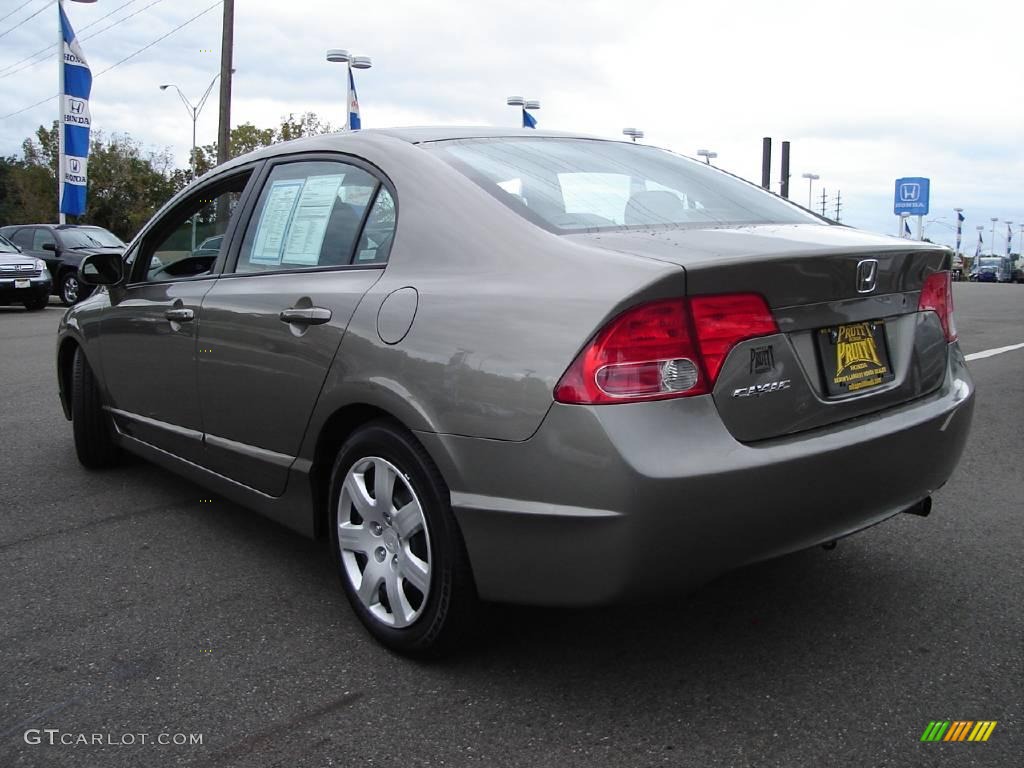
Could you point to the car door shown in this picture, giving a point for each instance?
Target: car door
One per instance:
(270, 327)
(148, 336)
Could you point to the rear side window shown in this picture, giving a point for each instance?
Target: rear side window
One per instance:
(311, 214)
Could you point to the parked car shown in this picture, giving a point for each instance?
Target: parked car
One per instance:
(520, 366)
(62, 247)
(991, 269)
(23, 278)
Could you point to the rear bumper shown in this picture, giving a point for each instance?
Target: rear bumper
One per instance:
(604, 501)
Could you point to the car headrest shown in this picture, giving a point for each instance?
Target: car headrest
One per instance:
(654, 207)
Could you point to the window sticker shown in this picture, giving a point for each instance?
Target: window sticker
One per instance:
(273, 225)
(305, 235)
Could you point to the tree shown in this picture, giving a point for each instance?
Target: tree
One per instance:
(247, 137)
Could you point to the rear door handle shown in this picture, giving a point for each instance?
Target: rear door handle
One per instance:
(179, 315)
(306, 316)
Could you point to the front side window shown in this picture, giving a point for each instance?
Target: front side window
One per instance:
(41, 237)
(571, 185)
(174, 249)
(309, 215)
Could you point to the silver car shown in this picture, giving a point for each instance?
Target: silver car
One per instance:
(520, 366)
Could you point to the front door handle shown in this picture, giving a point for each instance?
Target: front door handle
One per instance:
(306, 316)
(179, 315)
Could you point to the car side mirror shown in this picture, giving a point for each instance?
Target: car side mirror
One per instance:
(50, 247)
(101, 269)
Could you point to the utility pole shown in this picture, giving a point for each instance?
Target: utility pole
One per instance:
(766, 162)
(226, 57)
(839, 204)
(784, 171)
(824, 200)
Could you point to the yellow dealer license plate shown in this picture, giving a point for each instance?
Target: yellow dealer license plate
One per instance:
(854, 357)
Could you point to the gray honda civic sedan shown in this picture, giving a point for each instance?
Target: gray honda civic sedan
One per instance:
(519, 366)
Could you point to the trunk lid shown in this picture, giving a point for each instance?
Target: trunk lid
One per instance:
(851, 340)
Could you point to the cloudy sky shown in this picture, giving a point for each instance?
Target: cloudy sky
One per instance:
(866, 91)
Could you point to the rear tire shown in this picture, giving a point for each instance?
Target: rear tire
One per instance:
(406, 551)
(94, 439)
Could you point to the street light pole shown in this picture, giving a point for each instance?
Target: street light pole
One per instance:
(633, 133)
(994, 220)
(811, 178)
(707, 154)
(524, 105)
(341, 56)
(193, 112)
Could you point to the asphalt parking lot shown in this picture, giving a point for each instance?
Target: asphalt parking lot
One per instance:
(129, 606)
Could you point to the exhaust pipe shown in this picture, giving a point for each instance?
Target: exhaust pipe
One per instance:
(922, 509)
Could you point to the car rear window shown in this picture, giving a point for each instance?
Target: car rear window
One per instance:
(570, 185)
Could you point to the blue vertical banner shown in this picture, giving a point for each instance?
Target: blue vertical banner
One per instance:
(959, 228)
(1009, 238)
(977, 251)
(906, 228)
(354, 123)
(75, 121)
(529, 121)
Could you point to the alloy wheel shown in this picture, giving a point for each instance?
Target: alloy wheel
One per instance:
(384, 542)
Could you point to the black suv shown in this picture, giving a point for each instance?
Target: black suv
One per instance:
(62, 247)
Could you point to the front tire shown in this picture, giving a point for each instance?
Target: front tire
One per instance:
(71, 289)
(396, 544)
(94, 439)
(37, 302)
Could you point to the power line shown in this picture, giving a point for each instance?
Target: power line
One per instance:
(147, 47)
(48, 50)
(27, 18)
(27, 2)
(122, 61)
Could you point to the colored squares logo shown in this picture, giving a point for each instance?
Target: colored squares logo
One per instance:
(958, 730)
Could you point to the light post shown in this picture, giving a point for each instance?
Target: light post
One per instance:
(811, 178)
(707, 154)
(633, 133)
(341, 56)
(528, 120)
(994, 219)
(193, 112)
(959, 227)
(1020, 247)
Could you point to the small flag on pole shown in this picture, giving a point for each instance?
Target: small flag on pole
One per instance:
(977, 251)
(75, 121)
(959, 228)
(1009, 238)
(906, 228)
(354, 123)
(529, 121)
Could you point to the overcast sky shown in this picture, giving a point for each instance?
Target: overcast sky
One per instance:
(866, 91)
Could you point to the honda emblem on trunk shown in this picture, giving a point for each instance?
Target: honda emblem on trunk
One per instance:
(867, 274)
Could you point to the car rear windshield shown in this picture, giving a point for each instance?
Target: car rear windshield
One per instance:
(90, 237)
(569, 185)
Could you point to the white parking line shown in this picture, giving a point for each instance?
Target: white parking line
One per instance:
(991, 352)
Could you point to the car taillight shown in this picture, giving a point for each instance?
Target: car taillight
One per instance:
(724, 321)
(937, 297)
(667, 348)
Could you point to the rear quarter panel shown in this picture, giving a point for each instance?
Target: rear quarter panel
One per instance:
(503, 307)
